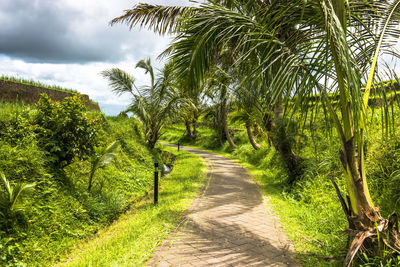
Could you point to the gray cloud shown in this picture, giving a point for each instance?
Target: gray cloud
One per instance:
(53, 31)
(69, 42)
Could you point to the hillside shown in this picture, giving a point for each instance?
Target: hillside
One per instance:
(27, 91)
(60, 210)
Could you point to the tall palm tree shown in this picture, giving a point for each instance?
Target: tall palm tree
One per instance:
(154, 105)
(250, 104)
(298, 48)
(331, 42)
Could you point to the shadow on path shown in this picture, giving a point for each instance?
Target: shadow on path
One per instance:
(229, 226)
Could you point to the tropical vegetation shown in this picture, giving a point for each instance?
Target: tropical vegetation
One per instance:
(292, 51)
(153, 105)
(303, 93)
(65, 173)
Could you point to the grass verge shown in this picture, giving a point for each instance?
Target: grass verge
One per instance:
(133, 238)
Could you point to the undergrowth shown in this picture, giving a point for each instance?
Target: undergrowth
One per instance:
(60, 211)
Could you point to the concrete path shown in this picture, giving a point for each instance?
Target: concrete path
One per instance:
(229, 224)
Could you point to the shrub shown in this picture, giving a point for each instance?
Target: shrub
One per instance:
(23, 162)
(15, 126)
(65, 130)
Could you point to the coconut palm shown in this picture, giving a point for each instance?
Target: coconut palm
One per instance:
(153, 105)
(249, 99)
(195, 50)
(244, 117)
(334, 43)
(218, 82)
(196, 96)
(298, 48)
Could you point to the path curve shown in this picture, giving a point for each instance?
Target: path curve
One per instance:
(229, 224)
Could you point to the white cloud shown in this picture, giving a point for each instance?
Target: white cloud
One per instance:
(86, 24)
(84, 78)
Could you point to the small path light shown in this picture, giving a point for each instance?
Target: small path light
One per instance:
(178, 146)
(155, 183)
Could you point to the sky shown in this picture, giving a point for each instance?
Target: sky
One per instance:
(69, 42)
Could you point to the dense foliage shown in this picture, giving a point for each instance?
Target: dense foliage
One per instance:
(154, 105)
(53, 146)
(289, 51)
(65, 130)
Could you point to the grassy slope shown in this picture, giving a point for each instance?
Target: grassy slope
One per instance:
(131, 240)
(61, 212)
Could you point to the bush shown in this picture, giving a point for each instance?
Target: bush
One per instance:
(65, 129)
(16, 128)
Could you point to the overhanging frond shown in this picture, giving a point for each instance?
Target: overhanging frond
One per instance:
(161, 19)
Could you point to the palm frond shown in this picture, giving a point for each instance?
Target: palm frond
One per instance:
(119, 81)
(11, 198)
(161, 19)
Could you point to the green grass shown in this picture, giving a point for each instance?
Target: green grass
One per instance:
(131, 240)
(60, 212)
(310, 213)
(313, 220)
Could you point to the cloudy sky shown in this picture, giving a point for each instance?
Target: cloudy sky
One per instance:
(69, 42)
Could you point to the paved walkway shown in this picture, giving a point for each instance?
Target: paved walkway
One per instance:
(228, 225)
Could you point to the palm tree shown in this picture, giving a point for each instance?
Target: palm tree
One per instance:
(249, 98)
(218, 81)
(298, 48)
(153, 105)
(196, 96)
(334, 43)
(244, 117)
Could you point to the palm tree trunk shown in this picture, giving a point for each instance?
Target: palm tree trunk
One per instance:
(151, 142)
(188, 129)
(251, 137)
(283, 145)
(354, 171)
(194, 124)
(224, 117)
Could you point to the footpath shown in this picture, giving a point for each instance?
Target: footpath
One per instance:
(229, 224)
